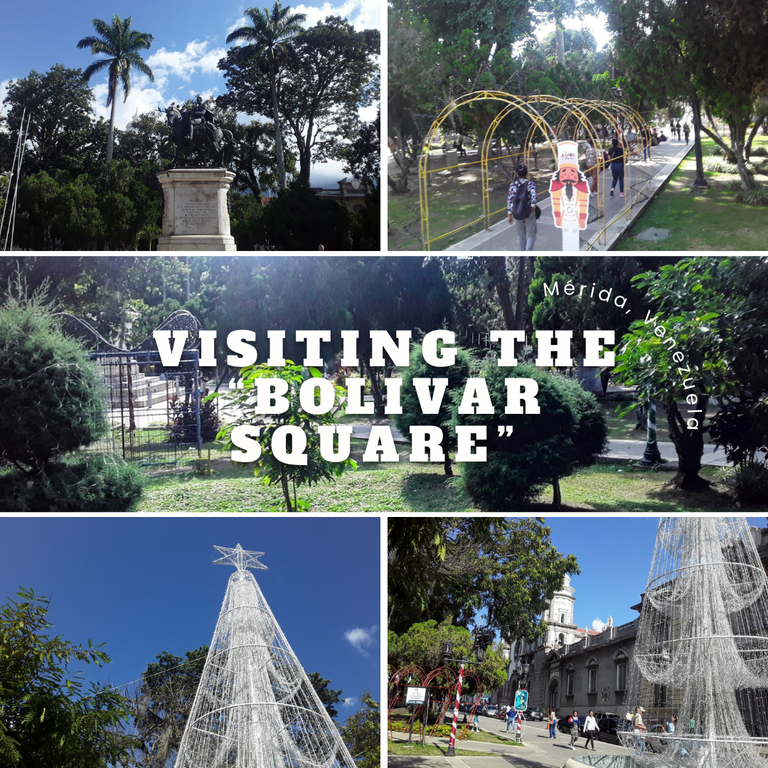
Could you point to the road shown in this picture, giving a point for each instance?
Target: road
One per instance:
(538, 750)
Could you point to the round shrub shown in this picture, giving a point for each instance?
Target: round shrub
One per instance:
(52, 393)
(747, 483)
(543, 447)
(418, 368)
(86, 483)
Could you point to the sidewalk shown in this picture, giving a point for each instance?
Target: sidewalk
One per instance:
(539, 751)
(502, 236)
(618, 451)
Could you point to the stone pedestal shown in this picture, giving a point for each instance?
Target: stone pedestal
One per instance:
(195, 216)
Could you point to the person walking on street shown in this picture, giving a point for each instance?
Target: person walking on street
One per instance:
(510, 717)
(639, 729)
(573, 721)
(521, 208)
(677, 130)
(475, 726)
(616, 158)
(590, 730)
(552, 724)
(686, 131)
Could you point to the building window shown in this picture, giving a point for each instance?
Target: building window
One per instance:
(659, 695)
(621, 676)
(569, 684)
(591, 681)
(562, 618)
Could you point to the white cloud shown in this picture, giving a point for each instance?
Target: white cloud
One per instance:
(3, 93)
(599, 625)
(183, 64)
(362, 14)
(144, 97)
(348, 703)
(360, 638)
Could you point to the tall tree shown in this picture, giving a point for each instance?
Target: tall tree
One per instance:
(46, 719)
(161, 705)
(121, 44)
(327, 695)
(270, 42)
(361, 733)
(448, 569)
(60, 130)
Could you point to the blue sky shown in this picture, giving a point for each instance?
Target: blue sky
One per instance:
(189, 41)
(614, 554)
(148, 585)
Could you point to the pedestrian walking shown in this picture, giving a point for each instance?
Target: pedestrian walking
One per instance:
(590, 157)
(475, 725)
(645, 133)
(553, 724)
(590, 730)
(521, 208)
(639, 729)
(687, 131)
(573, 721)
(677, 129)
(510, 717)
(616, 158)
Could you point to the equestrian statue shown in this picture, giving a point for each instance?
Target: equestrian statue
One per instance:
(197, 125)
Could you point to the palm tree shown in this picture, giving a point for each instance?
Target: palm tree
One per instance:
(270, 42)
(121, 44)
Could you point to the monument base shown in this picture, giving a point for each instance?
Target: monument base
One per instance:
(196, 214)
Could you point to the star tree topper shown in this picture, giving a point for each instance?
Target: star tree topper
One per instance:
(239, 557)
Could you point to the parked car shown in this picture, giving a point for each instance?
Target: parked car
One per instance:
(491, 710)
(533, 713)
(610, 725)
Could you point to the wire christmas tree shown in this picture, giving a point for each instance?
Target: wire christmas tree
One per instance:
(255, 706)
(701, 652)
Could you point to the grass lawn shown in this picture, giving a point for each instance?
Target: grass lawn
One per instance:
(404, 487)
(454, 199)
(711, 220)
(430, 750)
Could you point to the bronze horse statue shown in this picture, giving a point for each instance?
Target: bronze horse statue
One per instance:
(197, 126)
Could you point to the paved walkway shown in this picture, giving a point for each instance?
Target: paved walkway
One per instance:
(502, 236)
(539, 751)
(617, 451)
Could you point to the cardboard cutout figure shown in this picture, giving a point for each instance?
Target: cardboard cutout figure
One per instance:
(570, 195)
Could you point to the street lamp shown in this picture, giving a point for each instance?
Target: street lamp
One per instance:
(617, 92)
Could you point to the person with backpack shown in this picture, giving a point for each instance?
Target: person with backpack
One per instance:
(521, 207)
(616, 157)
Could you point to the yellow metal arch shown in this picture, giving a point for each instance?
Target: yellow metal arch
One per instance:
(578, 109)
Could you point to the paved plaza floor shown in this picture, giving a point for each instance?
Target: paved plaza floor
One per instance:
(665, 158)
(539, 751)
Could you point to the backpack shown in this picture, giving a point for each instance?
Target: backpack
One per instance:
(521, 204)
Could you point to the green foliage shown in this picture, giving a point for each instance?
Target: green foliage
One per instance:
(747, 483)
(46, 719)
(89, 483)
(418, 368)
(161, 705)
(422, 645)
(361, 733)
(243, 406)
(183, 425)
(706, 339)
(51, 391)
(298, 219)
(61, 128)
(740, 428)
(569, 430)
(448, 569)
(757, 196)
(121, 45)
(327, 695)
